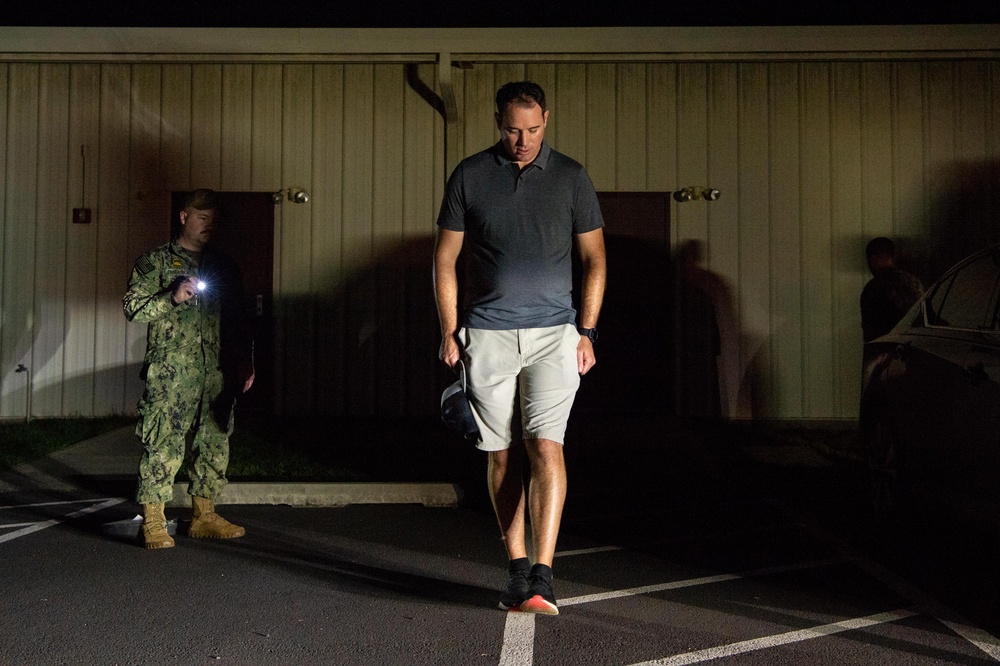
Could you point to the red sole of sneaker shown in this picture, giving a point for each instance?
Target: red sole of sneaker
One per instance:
(537, 604)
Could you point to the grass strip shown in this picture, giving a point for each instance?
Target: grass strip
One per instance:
(22, 442)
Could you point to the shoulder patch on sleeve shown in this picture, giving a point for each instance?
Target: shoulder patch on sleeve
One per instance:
(143, 265)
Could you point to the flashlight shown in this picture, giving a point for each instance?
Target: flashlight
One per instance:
(201, 285)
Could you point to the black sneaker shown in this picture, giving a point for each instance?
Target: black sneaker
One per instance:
(517, 584)
(540, 597)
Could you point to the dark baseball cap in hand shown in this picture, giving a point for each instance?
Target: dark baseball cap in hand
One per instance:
(456, 411)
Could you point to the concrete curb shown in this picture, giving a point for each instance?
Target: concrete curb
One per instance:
(330, 494)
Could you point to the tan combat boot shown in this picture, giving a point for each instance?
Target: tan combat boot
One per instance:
(154, 527)
(207, 524)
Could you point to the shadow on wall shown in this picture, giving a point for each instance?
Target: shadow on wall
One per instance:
(965, 216)
(718, 364)
(670, 342)
(632, 374)
(369, 345)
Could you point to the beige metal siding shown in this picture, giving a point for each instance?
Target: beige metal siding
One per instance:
(20, 211)
(50, 270)
(817, 241)
(813, 158)
(294, 304)
(112, 257)
(327, 240)
(785, 239)
(150, 198)
(81, 246)
(723, 221)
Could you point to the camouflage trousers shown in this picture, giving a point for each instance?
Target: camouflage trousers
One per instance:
(185, 417)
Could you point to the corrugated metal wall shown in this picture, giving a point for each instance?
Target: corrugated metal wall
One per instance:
(812, 158)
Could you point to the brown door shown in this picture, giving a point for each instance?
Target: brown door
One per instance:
(633, 374)
(246, 233)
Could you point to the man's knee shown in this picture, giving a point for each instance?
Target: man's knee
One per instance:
(545, 453)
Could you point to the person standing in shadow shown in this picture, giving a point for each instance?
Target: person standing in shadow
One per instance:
(889, 294)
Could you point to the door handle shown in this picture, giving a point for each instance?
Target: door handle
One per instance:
(260, 305)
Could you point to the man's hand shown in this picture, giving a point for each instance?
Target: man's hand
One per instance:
(450, 352)
(184, 289)
(585, 359)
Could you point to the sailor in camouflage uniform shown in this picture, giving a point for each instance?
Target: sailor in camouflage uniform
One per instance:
(199, 357)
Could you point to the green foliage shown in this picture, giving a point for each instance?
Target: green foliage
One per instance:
(22, 442)
(258, 455)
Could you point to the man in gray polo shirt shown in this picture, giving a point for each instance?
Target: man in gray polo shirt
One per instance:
(518, 207)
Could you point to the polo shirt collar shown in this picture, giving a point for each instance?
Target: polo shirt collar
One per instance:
(540, 161)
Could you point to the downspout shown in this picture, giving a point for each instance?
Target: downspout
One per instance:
(452, 122)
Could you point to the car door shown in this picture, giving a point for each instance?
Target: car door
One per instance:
(930, 391)
(981, 451)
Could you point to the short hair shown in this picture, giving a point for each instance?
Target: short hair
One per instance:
(522, 93)
(880, 245)
(202, 199)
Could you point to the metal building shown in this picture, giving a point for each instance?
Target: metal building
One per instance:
(818, 138)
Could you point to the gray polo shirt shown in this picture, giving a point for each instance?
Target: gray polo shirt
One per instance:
(519, 227)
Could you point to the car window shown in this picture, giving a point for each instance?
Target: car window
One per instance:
(965, 299)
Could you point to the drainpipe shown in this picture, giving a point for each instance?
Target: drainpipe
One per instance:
(452, 122)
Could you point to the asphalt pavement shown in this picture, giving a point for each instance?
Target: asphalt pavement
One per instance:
(681, 543)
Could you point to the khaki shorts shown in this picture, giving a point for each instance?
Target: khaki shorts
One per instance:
(541, 362)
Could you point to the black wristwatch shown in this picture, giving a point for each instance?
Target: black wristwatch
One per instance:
(590, 333)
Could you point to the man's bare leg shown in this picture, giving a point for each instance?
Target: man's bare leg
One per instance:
(546, 497)
(506, 485)
(505, 479)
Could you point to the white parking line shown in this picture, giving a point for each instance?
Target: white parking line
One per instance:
(13, 525)
(981, 639)
(724, 534)
(937, 609)
(519, 629)
(518, 640)
(743, 647)
(588, 551)
(37, 527)
(28, 506)
(692, 582)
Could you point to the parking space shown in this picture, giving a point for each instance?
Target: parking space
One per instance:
(21, 520)
(754, 580)
(801, 596)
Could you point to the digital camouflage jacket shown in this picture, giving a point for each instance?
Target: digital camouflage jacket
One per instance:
(211, 328)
